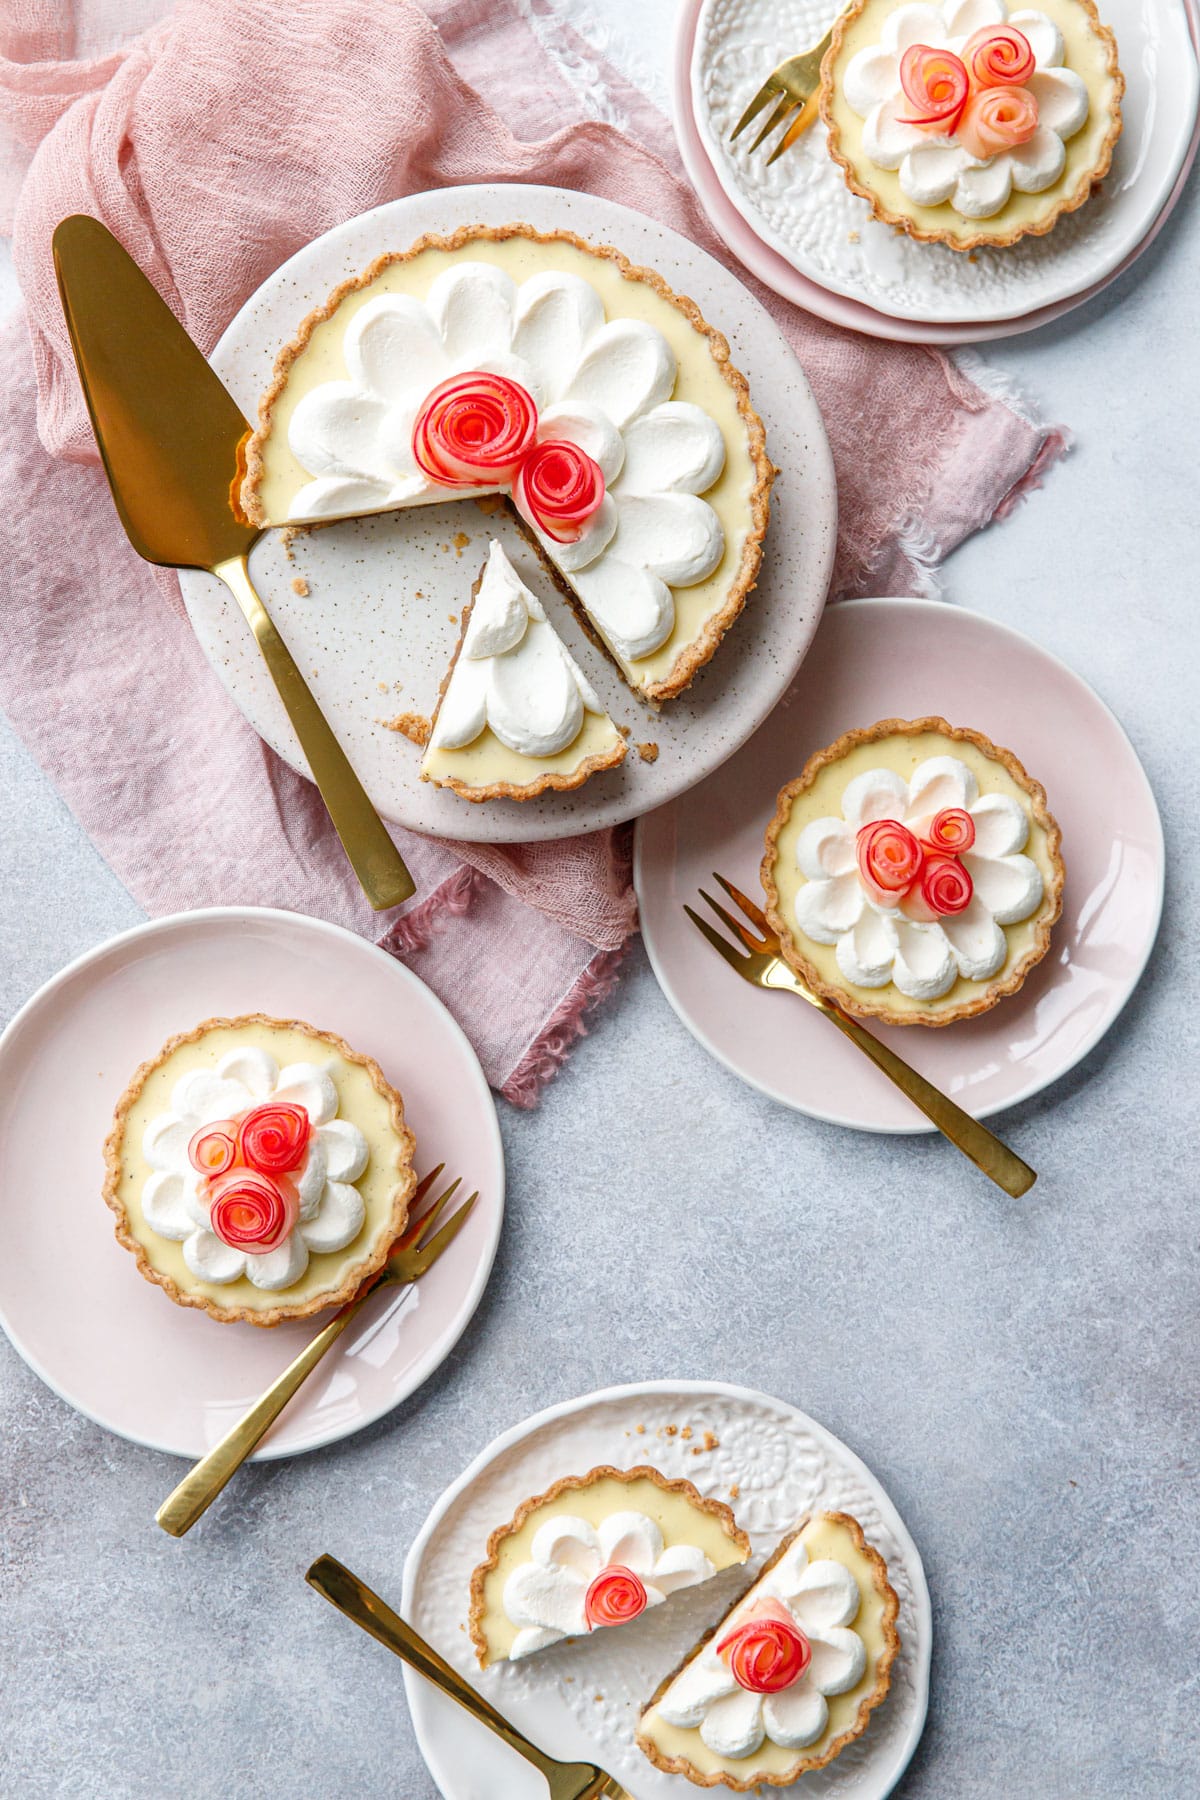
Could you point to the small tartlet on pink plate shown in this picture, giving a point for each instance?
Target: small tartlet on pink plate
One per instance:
(913, 872)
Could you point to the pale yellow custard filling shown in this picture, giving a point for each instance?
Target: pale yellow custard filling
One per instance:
(487, 761)
(1084, 52)
(699, 380)
(358, 1101)
(825, 1539)
(823, 799)
(677, 1517)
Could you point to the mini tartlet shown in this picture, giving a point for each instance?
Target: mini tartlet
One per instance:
(537, 366)
(516, 715)
(792, 1673)
(913, 872)
(969, 122)
(259, 1169)
(595, 1550)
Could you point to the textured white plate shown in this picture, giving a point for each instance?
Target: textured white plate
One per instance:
(374, 633)
(802, 208)
(583, 1699)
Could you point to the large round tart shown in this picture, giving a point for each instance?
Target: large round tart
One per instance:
(605, 358)
(259, 1168)
(913, 872)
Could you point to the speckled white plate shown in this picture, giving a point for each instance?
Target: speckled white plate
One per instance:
(880, 659)
(374, 634)
(71, 1298)
(801, 209)
(583, 1699)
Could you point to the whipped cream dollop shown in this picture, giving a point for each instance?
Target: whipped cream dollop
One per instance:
(331, 1210)
(935, 167)
(545, 1598)
(602, 384)
(878, 943)
(822, 1598)
(513, 673)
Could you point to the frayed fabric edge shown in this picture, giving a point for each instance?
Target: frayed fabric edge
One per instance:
(562, 1031)
(412, 932)
(1057, 443)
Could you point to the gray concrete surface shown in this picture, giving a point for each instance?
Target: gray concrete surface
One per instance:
(1022, 1376)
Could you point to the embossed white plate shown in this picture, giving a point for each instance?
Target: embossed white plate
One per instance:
(798, 215)
(583, 1699)
(375, 632)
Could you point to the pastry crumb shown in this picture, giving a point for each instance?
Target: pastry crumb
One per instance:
(445, 547)
(598, 1698)
(686, 1432)
(711, 1442)
(641, 1430)
(461, 541)
(972, 258)
(625, 730)
(383, 687)
(453, 618)
(735, 1491)
(671, 1430)
(414, 726)
(300, 586)
(489, 503)
(853, 237)
(419, 594)
(648, 752)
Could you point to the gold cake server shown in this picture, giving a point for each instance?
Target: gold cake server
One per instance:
(169, 435)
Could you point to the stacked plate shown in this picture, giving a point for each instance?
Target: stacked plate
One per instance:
(799, 228)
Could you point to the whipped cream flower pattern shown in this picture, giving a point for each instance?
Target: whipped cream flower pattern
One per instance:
(602, 386)
(883, 937)
(580, 1577)
(259, 1207)
(1006, 110)
(767, 1671)
(513, 673)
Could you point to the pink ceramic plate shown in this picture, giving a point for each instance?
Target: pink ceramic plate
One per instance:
(877, 659)
(72, 1300)
(779, 273)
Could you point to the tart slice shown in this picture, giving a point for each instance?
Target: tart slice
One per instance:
(792, 1673)
(595, 1550)
(972, 122)
(516, 715)
(503, 360)
(913, 872)
(259, 1168)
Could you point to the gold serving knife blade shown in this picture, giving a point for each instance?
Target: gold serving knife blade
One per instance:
(169, 435)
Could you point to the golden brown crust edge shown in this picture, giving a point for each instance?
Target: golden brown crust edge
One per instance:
(680, 1765)
(571, 1484)
(1089, 181)
(1051, 900)
(360, 1273)
(694, 656)
(507, 790)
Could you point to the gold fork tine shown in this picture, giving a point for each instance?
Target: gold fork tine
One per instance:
(732, 956)
(767, 91)
(417, 1227)
(754, 913)
(784, 109)
(430, 1251)
(752, 943)
(796, 129)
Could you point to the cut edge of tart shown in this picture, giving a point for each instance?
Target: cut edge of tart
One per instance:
(360, 1272)
(681, 1765)
(696, 653)
(1089, 180)
(560, 780)
(571, 1484)
(1047, 914)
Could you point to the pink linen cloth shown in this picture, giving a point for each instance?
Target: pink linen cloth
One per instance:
(214, 145)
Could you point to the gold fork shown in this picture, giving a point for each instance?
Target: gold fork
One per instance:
(796, 83)
(413, 1253)
(764, 967)
(566, 1781)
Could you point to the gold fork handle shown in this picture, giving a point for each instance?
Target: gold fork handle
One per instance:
(200, 1487)
(983, 1147)
(354, 1598)
(375, 859)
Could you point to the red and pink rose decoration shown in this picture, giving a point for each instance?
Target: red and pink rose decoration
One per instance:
(979, 97)
(480, 430)
(244, 1165)
(924, 872)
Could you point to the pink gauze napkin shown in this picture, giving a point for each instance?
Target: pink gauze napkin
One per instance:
(214, 145)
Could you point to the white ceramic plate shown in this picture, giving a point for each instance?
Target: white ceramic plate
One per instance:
(801, 208)
(372, 649)
(71, 1298)
(880, 659)
(583, 1699)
